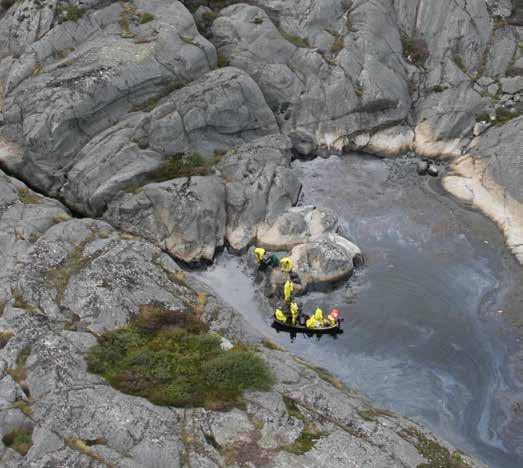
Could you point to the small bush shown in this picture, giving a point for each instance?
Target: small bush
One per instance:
(483, 117)
(70, 12)
(5, 336)
(169, 358)
(504, 115)
(296, 40)
(438, 89)
(415, 50)
(19, 440)
(146, 17)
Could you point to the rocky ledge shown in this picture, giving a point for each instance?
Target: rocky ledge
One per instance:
(65, 281)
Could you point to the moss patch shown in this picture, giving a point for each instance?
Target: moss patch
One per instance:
(29, 198)
(504, 115)
(70, 12)
(372, 414)
(24, 407)
(266, 343)
(169, 358)
(146, 17)
(296, 40)
(5, 336)
(437, 455)
(305, 442)
(19, 440)
(19, 372)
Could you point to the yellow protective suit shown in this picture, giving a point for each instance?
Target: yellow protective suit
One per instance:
(260, 254)
(286, 264)
(318, 317)
(294, 313)
(280, 316)
(288, 289)
(311, 322)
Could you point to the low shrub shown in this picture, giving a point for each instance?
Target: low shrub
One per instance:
(19, 440)
(415, 50)
(146, 17)
(504, 115)
(169, 358)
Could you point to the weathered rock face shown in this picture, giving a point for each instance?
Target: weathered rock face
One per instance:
(328, 90)
(82, 77)
(78, 278)
(489, 178)
(259, 186)
(185, 217)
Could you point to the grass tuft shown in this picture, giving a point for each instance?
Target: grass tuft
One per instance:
(305, 442)
(271, 345)
(70, 12)
(436, 455)
(296, 40)
(29, 198)
(19, 373)
(5, 336)
(504, 115)
(146, 17)
(19, 440)
(169, 358)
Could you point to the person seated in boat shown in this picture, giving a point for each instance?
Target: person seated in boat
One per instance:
(315, 320)
(280, 316)
(288, 290)
(295, 312)
(333, 316)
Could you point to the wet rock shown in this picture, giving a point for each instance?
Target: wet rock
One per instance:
(303, 143)
(422, 167)
(432, 170)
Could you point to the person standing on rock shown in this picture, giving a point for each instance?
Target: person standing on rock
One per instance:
(288, 289)
(265, 260)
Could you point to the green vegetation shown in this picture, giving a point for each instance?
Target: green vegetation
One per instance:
(146, 17)
(296, 40)
(483, 117)
(414, 50)
(169, 358)
(180, 165)
(438, 88)
(436, 455)
(70, 12)
(19, 373)
(504, 115)
(19, 440)
(221, 61)
(293, 409)
(305, 442)
(84, 447)
(24, 407)
(271, 345)
(338, 44)
(59, 277)
(373, 414)
(5, 336)
(460, 63)
(29, 198)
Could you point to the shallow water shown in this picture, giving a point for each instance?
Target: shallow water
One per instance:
(423, 332)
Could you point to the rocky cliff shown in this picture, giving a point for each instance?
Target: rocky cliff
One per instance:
(176, 123)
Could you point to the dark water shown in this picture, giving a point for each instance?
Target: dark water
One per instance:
(426, 319)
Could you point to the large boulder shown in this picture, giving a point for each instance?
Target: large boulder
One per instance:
(221, 110)
(259, 186)
(296, 226)
(81, 77)
(185, 217)
(351, 85)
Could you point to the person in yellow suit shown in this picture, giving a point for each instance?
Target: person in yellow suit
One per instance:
(286, 264)
(280, 316)
(295, 311)
(311, 322)
(288, 289)
(318, 317)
